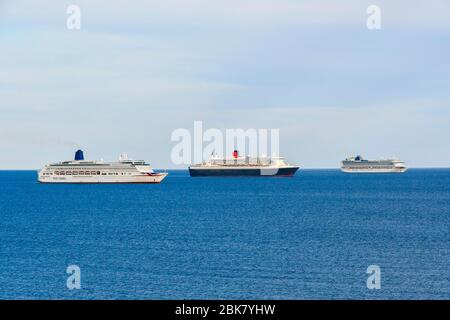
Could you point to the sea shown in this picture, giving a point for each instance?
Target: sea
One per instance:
(318, 235)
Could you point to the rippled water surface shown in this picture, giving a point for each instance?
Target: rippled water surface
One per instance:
(307, 237)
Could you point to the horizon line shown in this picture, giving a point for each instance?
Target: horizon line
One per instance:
(187, 168)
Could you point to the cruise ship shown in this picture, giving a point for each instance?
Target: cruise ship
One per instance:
(243, 166)
(359, 165)
(86, 171)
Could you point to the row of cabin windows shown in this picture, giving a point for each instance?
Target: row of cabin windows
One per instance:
(77, 173)
(83, 173)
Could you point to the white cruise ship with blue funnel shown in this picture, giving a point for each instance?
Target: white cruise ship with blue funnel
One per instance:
(360, 165)
(80, 170)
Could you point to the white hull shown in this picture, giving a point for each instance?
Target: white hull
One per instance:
(153, 178)
(374, 170)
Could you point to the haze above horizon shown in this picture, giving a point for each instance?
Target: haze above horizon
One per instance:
(312, 69)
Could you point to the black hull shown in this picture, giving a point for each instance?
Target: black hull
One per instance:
(241, 172)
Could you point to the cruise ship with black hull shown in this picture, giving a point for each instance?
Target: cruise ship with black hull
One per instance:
(243, 166)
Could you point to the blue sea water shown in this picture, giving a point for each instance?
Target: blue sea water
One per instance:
(307, 237)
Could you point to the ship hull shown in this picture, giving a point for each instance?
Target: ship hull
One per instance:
(242, 172)
(143, 179)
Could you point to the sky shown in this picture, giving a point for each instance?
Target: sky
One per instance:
(138, 70)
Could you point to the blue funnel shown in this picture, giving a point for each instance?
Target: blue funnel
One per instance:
(79, 155)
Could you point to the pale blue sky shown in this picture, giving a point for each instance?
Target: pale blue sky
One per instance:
(137, 70)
